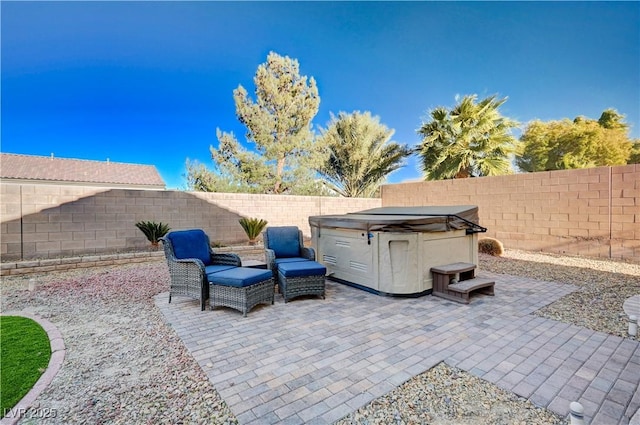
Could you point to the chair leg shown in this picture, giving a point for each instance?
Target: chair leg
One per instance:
(204, 294)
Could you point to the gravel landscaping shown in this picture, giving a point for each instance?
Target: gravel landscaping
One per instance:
(124, 365)
(604, 286)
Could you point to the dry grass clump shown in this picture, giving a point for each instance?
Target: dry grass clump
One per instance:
(491, 246)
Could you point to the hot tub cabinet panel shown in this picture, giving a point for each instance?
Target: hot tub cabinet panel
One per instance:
(398, 267)
(347, 255)
(388, 262)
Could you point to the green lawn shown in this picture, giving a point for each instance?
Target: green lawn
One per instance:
(24, 355)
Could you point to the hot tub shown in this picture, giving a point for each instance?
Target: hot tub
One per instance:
(390, 250)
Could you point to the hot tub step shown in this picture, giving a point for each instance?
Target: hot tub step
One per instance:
(454, 268)
(462, 291)
(474, 284)
(457, 281)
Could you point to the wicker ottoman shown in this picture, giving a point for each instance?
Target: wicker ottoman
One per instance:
(241, 288)
(301, 278)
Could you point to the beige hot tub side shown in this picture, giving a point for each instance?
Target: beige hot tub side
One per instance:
(391, 250)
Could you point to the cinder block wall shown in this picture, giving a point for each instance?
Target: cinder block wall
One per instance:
(49, 221)
(593, 212)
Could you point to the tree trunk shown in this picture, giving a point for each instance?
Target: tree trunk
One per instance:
(464, 173)
(279, 171)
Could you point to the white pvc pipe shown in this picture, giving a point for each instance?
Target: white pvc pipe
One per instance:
(576, 413)
(633, 325)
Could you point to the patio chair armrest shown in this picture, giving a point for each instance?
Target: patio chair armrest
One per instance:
(270, 258)
(308, 253)
(230, 259)
(180, 269)
(188, 262)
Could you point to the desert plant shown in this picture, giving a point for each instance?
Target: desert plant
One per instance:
(490, 246)
(153, 231)
(252, 227)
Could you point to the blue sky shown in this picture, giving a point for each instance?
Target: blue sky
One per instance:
(149, 82)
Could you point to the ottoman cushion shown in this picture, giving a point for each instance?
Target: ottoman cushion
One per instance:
(239, 277)
(301, 269)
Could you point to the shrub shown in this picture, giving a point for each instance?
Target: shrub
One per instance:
(252, 227)
(153, 231)
(490, 246)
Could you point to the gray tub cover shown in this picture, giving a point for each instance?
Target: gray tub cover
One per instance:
(405, 219)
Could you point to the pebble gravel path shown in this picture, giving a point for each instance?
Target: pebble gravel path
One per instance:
(123, 364)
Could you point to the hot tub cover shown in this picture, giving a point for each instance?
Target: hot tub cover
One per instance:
(405, 219)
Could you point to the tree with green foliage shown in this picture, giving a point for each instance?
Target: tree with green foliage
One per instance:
(634, 157)
(581, 143)
(472, 139)
(361, 154)
(199, 178)
(612, 119)
(278, 124)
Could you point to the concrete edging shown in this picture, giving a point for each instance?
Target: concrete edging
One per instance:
(46, 265)
(58, 352)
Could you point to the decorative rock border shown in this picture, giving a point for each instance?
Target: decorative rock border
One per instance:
(67, 263)
(58, 352)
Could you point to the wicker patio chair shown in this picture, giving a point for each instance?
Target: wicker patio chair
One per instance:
(284, 245)
(299, 274)
(190, 259)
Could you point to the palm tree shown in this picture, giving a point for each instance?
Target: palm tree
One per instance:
(360, 156)
(471, 140)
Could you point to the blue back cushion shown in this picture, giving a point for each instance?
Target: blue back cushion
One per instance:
(285, 241)
(191, 244)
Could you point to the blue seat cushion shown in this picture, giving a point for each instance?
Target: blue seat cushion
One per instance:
(191, 244)
(302, 269)
(279, 261)
(239, 277)
(216, 268)
(284, 241)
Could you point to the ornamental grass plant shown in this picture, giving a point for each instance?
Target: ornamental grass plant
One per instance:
(491, 246)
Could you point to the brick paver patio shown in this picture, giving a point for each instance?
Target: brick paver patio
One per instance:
(315, 361)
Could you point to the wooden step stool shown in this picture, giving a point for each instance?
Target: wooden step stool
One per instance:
(457, 281)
